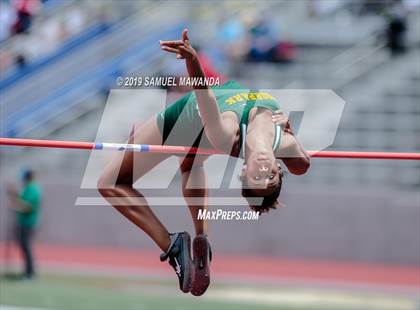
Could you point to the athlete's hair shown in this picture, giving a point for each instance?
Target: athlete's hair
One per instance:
(268, 202)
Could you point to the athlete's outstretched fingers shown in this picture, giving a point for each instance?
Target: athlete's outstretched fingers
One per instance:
(170, 49)
(173, 50)
(185, 38)
(174, 43)
(183, 49)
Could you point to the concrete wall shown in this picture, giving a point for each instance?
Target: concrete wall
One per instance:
(326, 223)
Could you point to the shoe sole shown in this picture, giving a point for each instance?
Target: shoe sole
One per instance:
(188, 270)
(202, 273)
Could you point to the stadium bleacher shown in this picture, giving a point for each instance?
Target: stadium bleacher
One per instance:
(60, 89)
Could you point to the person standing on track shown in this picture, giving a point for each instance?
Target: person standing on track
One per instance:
(26, 204)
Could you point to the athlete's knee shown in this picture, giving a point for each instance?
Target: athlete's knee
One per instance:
(108, 182)
(103, 185)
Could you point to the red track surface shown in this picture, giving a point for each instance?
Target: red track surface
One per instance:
(231, 266)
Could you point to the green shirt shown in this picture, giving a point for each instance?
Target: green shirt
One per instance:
(181, 124)
(31, 194)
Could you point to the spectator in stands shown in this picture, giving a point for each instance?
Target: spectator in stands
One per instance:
(252, 37)
(262, 40)
(397, 28)
(20, 61)
(31, 43)
(207, 65)
(26, 204)
(266, 45)
(25, 9)
(232, 38)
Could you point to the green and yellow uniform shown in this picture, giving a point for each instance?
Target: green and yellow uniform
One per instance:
(181, 124)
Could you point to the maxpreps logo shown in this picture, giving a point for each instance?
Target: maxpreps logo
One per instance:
(321, 111)
(230, 215)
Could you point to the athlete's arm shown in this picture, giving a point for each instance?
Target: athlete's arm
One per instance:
(291, 152)
(296, 160)
(220, 133)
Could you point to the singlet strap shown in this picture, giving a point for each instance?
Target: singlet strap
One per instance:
(243, 125)
(277, 137)
(243, 140)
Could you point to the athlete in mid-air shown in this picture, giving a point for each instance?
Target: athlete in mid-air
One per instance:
(228, 118)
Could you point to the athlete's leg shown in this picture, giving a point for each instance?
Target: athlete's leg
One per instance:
(123, 196)
(196, 196)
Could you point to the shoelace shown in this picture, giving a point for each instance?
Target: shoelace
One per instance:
(174, 250)
(164, 256)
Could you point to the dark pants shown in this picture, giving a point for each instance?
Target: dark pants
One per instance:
(24, 238)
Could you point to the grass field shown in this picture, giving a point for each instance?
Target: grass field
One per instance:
(80, 278)
(54, 290)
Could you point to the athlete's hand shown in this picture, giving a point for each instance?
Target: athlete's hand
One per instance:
(280, 119)
(181, 48)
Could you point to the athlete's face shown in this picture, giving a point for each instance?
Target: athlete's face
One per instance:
(261, 171)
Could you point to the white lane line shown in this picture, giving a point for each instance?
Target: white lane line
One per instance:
(4, 307)
(312, 299)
